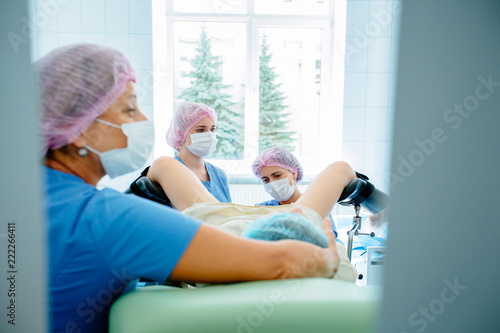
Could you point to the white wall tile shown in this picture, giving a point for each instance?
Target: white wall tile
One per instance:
(376, 124)
(358, 15)
(141, 51)
(47, 41)
(94, 38)
(374, 157)
(353, 128)
(69, 38)
(356, 54)
(380, 18)
(69, 17)
(379, 54)
(93, 16)
(140, 16)
(354, 89)
(120, 42)
(353, 153)
(377, 89)
(45, 16)
(117, 16)
(393, 63)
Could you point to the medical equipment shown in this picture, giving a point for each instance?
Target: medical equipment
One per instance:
(362, 195)
(375, 256)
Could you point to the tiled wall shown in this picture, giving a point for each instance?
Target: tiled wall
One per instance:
(370, 72)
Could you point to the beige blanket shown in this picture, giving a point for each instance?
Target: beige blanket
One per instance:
(233, 218)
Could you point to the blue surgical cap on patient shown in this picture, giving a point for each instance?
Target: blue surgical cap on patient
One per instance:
(285, 226)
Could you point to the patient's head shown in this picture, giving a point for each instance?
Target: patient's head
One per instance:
(277, 156)
(285, 226)
(78, 83)
(188, 116)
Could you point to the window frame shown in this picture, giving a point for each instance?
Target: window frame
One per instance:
(332, 78)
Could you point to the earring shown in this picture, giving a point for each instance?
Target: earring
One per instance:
(83, 152)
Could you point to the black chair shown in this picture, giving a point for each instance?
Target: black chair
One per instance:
(146, 188)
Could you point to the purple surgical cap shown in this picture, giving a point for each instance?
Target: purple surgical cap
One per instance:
(278, 156)
(78, 83)
(186, 116)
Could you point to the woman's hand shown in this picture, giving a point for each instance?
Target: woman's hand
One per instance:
(308, 260)
(329, 256)
(332, 246)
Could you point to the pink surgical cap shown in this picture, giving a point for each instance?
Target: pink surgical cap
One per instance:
(186, 116)
(78, 83)
(278, 156)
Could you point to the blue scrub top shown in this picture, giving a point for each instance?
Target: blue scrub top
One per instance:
(217, 185)
(275, 202)
(101, 242)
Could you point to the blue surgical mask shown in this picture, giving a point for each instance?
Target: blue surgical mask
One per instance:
(140, 141)
(280, 190)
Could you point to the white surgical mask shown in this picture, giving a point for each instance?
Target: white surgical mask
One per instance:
(280, 190)
(140, 140)
(203, 144)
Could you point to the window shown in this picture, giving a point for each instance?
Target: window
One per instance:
(279, 75)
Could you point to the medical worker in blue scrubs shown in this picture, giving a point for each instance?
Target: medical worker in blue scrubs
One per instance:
(101, 241)
(192, 133)
(280, 171)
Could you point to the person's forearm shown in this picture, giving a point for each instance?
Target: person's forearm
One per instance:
(218, 257)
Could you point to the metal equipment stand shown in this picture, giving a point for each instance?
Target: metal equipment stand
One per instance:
(356, 226)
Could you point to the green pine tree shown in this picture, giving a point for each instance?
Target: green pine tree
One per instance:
(273, 119)
(207, 88)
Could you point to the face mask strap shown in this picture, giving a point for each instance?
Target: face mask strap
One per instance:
(107, 123)
(92, 150)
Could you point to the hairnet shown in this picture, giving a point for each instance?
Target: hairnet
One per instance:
(186, 116)
(78, 83)
(278, 156)
(285, 226)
